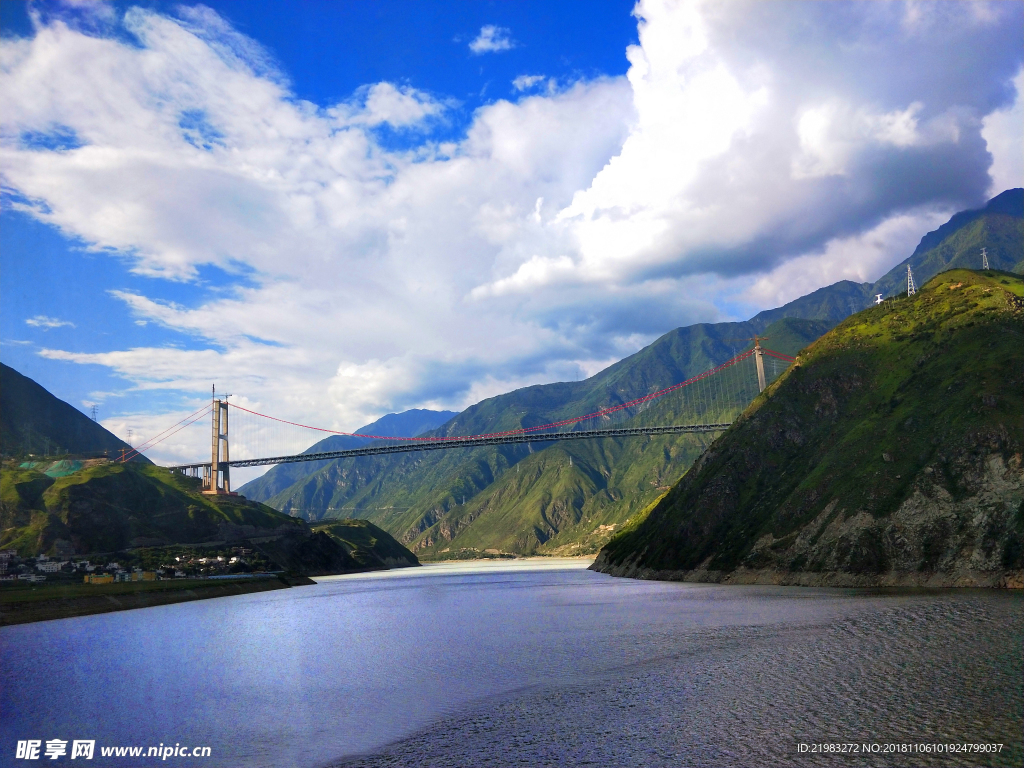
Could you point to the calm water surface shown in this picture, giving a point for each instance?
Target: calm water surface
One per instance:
(525, 663)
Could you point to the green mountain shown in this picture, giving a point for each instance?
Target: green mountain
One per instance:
(368, 545)
(570, 497)
(998, 227)
(957, 244)
(108, 507)
(406, 424)
(890, 453)
(111, 506)
(35, 423)
(527, 498)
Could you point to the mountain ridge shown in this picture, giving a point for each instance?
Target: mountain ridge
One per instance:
(33, 419)
(890, 453)
(570, 498)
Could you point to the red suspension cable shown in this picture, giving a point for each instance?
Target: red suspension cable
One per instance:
(564, 422)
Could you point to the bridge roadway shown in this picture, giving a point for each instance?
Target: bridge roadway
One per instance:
(434, 445)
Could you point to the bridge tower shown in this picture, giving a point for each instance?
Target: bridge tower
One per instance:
(759, 359)
(218, 481)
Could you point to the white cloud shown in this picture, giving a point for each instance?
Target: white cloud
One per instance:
(538, 271)
(863, 257)
(398, 106)
(563, 230)
(526, 82)
(46, 323)
(492, 39)
(1004, 135)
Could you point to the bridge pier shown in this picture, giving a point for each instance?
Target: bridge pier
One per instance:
(217, 475)
(759, 359)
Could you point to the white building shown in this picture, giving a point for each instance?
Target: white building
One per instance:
(50, 566)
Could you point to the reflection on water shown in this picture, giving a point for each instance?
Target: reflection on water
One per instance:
(513, 663)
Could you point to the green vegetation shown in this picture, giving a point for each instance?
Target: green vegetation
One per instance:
(525, 500)
(368, 545)
(406, 424)
(109, 507)
(528, 499)
(913, 407)
(143, 515)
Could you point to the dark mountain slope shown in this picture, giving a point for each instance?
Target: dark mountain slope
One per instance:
(367, 544)
(890, 453)
(112, 506)
(32, 421)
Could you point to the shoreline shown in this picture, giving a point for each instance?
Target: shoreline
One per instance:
(24, 606)
(1007, 579)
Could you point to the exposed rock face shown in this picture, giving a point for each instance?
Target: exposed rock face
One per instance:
(890, 454)
(932, 540)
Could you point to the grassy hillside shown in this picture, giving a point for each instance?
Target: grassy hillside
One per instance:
(368, 545)
(525, 499)
(892, 447)
(32, 421)
(570, 497)
(113, 506)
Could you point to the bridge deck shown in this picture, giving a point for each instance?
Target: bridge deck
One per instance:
(434, 445)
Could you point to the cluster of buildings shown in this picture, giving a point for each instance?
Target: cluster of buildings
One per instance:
(32, 569)
(211, 564)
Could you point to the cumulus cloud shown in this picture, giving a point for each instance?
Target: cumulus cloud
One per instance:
(526, 82)
(863, 257)
(754, 152)
(1005, 141)
(492, 39)
(46, 323)
(399, 106)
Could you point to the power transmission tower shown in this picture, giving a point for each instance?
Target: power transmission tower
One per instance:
(911, 288)
(984, 259)
(94, 409)
(130, 438)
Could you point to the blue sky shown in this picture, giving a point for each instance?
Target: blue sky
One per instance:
(327, 51)
(337, 210)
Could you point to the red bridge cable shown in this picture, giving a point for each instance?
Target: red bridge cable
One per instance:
(564, 422)
(154, 441)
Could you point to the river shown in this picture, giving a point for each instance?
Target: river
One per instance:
(537, 662)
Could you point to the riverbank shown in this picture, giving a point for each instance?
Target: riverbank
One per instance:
(24, 604)
(1005, 579)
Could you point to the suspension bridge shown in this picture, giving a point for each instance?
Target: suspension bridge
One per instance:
(712, 399)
